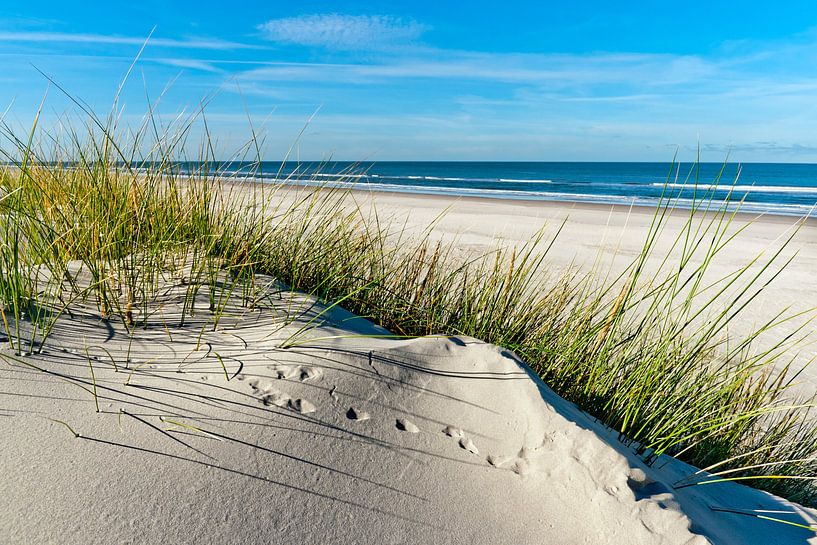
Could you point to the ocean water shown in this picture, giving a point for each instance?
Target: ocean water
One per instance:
(777, 188)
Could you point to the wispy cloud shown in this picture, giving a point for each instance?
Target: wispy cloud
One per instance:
(351, 32)
(766, 147)
(192, 64)
(559, 70)
(83, 38)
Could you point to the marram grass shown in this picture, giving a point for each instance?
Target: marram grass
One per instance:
(647, 354)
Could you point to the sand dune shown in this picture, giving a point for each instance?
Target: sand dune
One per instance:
(294, 424)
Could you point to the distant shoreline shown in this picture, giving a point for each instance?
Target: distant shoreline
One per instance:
(788, 190)
(589, 206)
(554, 204)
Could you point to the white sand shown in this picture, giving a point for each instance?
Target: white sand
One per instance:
(459, 444)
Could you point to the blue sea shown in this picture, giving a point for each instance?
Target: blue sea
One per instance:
(777, 188)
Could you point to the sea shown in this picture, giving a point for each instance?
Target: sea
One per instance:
(774, 188)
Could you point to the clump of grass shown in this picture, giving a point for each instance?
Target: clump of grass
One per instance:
(644, 353)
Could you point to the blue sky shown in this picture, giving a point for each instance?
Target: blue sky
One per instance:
(437, 80)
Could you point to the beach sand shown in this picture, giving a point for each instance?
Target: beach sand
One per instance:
(293, 423)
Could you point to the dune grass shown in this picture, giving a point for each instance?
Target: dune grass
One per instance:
(647, 354)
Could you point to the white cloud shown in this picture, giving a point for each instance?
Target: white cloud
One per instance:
(342, 31)
(191, 64)
(66, 37)
(559, 71)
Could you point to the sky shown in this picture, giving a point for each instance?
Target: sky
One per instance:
(493, 81)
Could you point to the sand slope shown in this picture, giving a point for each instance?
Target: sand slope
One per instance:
(339, 439)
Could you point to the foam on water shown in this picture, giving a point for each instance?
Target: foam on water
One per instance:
(787, 189)
(789, 209)
(742, 188)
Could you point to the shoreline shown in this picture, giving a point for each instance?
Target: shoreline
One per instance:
(520, 201)
(583, 205)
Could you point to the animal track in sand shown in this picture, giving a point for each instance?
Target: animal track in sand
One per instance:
(310, 373)
(268, 395)
(451, 431)
(524, 463)
(404, 424)
(498, 461)
(357, 415)
(467, 444)
(302, 373)
(302, 406)
(522, 467)
(255, 384)
(333, 393)
(285, 371)
(279, 399)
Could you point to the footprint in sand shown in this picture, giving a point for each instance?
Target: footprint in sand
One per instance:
(268, 395)
(302, 373)
(279, 399)
(259, 387)
(464, 442)
(451, 431)
(333, 393)
(522, 464)
(467, 444)
(407, 425)
(522, 467)
(302, 406)
(285, 371)
(498, 461)
(357, 415)
(310, 373)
